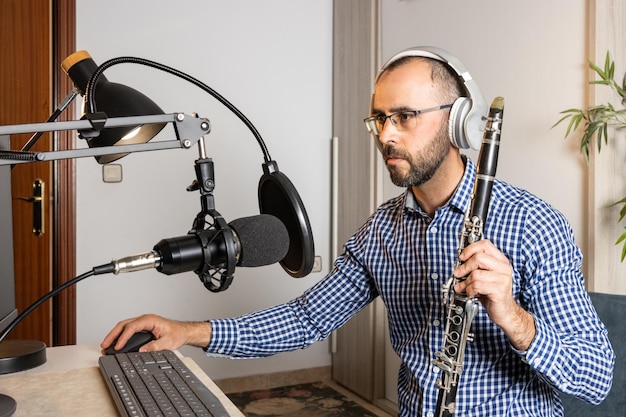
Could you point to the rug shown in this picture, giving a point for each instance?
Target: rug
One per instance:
(304, 400)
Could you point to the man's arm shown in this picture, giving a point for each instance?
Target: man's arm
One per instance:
(557, 331)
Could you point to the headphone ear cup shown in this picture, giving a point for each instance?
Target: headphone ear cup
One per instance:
(456, 122)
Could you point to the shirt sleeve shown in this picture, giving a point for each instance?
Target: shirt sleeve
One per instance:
(571, 350)
(300, 322)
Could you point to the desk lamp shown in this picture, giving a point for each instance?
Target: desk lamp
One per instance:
(114, 100)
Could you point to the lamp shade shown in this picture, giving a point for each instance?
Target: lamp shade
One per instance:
(115, 100)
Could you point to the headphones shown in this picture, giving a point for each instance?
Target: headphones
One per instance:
(468, 115)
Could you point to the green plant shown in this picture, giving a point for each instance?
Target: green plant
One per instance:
(597, 120)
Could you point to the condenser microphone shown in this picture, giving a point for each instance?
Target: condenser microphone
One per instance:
(259, 240)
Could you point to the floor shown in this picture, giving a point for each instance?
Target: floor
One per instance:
(297, 393)
(314, 399)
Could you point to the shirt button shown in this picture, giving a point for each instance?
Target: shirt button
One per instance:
(434, 275)
(430, 414)
(436, 322)
(434, 229)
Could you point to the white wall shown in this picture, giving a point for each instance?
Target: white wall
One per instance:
(272, 60)
(532, 53)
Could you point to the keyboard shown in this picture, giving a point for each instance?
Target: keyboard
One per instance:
(157, 384)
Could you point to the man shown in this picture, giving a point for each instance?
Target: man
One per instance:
(535, 332)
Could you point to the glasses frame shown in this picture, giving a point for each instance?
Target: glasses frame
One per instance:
(372, 121)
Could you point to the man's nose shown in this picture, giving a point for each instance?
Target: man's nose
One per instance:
(387, 132)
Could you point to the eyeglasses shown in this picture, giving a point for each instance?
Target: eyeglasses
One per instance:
(402, 120)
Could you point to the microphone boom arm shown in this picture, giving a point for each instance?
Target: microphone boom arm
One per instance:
(188, 129)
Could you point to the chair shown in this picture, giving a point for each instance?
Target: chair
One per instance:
(612, 310)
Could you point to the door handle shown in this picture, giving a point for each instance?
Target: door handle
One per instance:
(38, 206)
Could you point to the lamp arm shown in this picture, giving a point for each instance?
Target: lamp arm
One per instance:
(66, 102)
(91, 85)
(189, 130)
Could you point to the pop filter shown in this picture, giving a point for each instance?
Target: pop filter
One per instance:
(278, 197)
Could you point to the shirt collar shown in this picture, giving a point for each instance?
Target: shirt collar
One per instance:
(461, 196)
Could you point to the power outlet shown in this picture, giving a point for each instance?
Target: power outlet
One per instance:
(317, 264)
(112, 173)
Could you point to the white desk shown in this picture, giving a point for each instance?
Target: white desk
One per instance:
(70, 384)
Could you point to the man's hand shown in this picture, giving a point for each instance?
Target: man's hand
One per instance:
(169, 334)
(490, 279)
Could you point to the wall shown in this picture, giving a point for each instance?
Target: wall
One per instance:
(272, 60)
(606, 184)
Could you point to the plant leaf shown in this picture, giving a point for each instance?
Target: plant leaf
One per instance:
(622, 201)
(596, 121)
(598, 70)
(622, 212)
(622, 238)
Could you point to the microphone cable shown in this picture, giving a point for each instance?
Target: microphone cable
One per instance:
(98, 270)
(91, 86)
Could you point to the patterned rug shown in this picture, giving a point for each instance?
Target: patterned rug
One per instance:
(305, 400)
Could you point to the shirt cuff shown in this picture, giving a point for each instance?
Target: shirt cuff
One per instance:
(543, 350)
(224, 337)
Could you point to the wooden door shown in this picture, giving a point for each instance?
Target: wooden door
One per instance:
(35, 35)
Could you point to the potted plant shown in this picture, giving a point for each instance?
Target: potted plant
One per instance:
(597, 120)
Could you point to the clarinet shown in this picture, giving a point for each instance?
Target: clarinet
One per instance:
(462, 309)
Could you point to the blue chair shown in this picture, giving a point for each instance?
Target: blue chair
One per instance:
(612, 310)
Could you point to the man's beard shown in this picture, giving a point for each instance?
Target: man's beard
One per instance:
(422, 166)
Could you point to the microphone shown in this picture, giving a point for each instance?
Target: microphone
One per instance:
(258, 240)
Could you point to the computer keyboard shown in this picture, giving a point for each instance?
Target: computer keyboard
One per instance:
(157, 384)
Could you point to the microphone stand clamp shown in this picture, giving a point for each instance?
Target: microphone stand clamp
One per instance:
(215, 274)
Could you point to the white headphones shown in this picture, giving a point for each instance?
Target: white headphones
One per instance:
(468, 115)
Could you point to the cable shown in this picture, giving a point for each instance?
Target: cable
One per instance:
(91, 85)
(98, 270)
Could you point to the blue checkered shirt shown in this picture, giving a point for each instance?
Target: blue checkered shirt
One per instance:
(404, 256)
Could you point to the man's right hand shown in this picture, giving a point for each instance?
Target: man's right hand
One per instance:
(169, 334)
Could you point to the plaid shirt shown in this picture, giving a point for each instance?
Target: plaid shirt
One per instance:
(404, 256)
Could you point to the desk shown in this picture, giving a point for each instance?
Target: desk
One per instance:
(70, 384)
